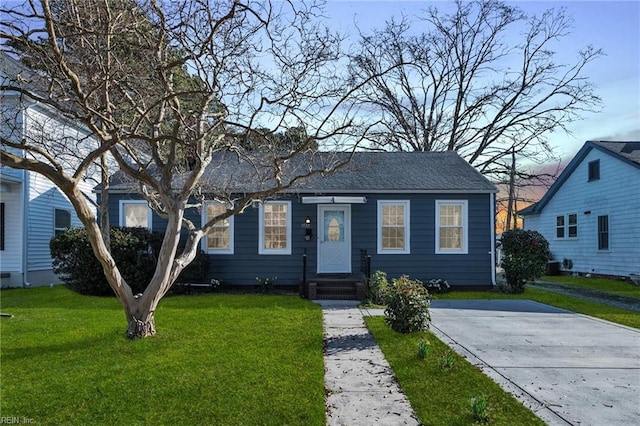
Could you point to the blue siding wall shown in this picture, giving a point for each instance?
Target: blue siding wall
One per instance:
(242, 268)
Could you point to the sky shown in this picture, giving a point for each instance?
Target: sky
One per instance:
(613, 26)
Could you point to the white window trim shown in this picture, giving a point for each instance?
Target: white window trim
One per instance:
(121, 212)
(465, 227)
(407, 227)
(204, 242)
(261, 249)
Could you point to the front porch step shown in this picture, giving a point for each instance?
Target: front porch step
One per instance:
(323, 288)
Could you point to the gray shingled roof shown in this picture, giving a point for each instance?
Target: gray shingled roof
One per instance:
(627, 150)
(366, 172)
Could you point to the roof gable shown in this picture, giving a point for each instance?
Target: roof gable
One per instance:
(627, 152)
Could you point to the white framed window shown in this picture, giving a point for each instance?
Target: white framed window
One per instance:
(393, 227)
(567, 226)
(274, 223)
(452, 227)
(135, 214)
(219, 239)
(560, 226)
(603, 232)
(61, 220)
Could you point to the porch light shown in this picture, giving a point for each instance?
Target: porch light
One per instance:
(307, 228)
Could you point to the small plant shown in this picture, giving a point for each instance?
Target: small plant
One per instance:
(378, 288)
(437, 285)
(423, 349)
(479, 410)
(407, 308)
(266, 284)
(447, 360)
(216, 285)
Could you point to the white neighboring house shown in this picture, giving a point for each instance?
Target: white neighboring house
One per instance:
(32, 208)
(591, 214)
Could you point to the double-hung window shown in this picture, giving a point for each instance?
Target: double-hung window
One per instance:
(393, 227)
(275, 228)
(61, 220)
(567, 226)
(603, 232)
(451, 227)
(220, 237)
(560, 226)
(135, 214)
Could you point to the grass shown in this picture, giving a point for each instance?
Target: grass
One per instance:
(582, 306)
(441, 395)
(619, 287)
(217, 359)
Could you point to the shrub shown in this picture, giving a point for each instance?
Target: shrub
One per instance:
(378, 288)
(407, 308)
(266, 284)
(525, 257)
(133, 250)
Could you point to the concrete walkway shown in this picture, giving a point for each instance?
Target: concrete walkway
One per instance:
(360, 386)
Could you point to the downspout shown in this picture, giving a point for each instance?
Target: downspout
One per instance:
(492, 208)
(25, 225)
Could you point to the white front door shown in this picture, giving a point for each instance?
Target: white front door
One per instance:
(334, 239)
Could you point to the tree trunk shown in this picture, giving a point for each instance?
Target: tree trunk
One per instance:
(141, 324)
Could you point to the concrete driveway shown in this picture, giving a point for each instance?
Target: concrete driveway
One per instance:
(568, 368)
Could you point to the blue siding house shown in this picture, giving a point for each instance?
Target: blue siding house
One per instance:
(591, 214)
(425, 214)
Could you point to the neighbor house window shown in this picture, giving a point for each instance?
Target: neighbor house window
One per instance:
(275, 228)
(603, 232)
(451, 227)
(393, 227)
(594, 170)
(220, 237)
(560, 226)
(135, 214)
(61, 220)
(572, 225)
(567, 226)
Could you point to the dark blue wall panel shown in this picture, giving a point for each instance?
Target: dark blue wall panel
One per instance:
(245, 265)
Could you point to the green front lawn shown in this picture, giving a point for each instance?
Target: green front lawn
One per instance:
(621, 288)
(440, 395)
(217, 359)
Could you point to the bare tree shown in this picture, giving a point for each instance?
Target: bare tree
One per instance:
(482, 81)
(164, 87)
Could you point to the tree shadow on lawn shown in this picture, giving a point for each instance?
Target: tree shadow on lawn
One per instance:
(77, 346)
